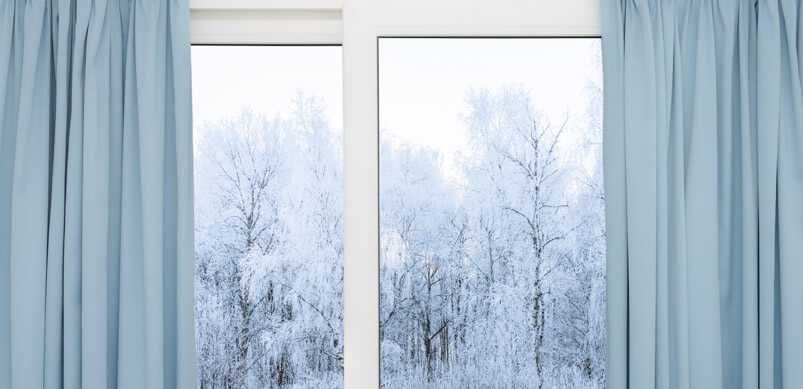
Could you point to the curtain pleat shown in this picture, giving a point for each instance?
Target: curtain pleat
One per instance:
(703, 175)
(789, 193)
(96, 249)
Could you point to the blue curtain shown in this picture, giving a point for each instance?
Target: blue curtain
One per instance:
(96, 210)
(703, 140)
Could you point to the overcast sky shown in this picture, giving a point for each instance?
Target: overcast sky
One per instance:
(226, 79)
(422, 82)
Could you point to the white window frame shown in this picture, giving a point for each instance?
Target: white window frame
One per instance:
(357, 25)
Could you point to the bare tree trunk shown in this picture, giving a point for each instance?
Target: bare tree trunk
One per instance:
(427, 347)
(245, 329)
(538, 323)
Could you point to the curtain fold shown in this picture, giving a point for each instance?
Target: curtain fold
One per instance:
(703, 160)
(96, 202)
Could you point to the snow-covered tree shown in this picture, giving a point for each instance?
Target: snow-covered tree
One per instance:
(269, 267)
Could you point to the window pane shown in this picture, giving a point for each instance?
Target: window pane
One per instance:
(492, 263)
(268, 216)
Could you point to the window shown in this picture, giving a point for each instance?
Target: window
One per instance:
(492, 249)
(358, 24)
(268, 216)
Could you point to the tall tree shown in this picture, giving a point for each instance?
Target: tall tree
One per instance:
(517, 147)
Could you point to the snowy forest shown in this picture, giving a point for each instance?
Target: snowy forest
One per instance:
(494, 275)
(269, 250)
(492, 271)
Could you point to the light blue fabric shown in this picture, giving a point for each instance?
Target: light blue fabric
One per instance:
(96, 210)
(703, 140)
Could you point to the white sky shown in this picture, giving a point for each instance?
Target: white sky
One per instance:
(226, 79)
(423, 82)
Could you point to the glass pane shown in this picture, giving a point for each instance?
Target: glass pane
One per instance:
(492, 263)
(268, 216)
